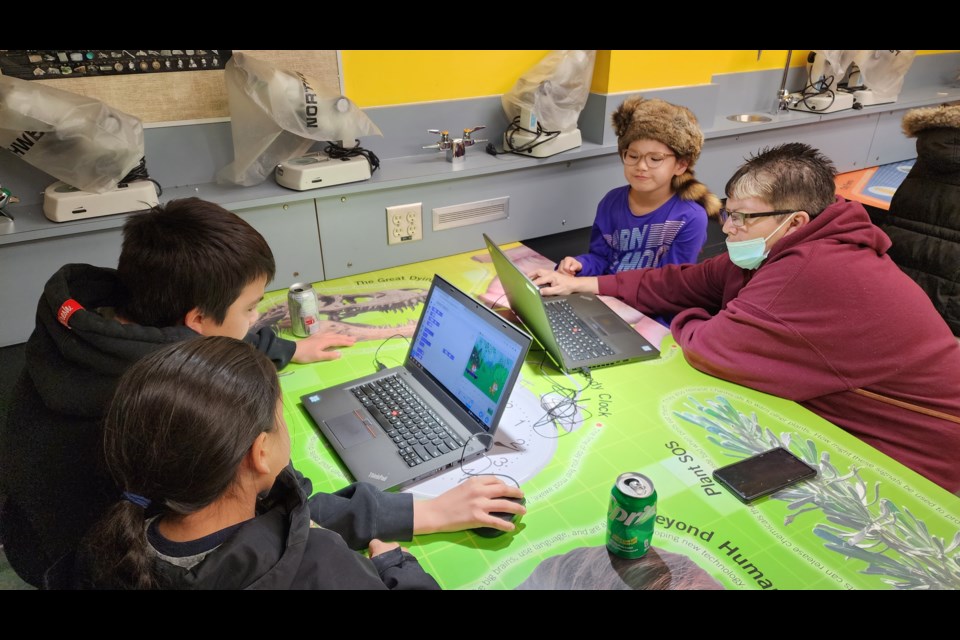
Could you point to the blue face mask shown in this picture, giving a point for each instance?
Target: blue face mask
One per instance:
(750, 254)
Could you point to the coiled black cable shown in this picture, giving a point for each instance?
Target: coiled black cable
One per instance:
(140, 172)
(336, 151)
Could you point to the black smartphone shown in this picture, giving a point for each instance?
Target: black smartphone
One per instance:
(763, 474)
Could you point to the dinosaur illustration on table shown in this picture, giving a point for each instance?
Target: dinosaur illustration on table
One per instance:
(338, 307)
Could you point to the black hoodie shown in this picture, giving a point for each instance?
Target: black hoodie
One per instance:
(280, 549)
(924, 218)
(50, 472)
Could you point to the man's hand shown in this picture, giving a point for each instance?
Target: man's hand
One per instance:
(554, 283)
(314, 348)
(468, 506)
(570, 266)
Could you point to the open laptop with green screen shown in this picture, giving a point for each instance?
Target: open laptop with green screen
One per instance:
(403, 424)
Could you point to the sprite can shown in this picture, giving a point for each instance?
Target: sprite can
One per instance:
(631, 515)
(302, 304)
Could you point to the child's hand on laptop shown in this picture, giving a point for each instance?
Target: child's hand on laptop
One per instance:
(468, 506)
(314, 348)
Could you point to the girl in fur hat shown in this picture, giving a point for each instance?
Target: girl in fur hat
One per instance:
(660, 216)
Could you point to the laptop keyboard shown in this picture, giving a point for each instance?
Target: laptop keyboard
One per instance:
(419, 433)
(573, 336)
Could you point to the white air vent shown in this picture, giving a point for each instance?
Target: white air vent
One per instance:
(461, 215)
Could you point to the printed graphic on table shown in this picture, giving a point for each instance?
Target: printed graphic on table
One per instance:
(875, 185)
(865, 522)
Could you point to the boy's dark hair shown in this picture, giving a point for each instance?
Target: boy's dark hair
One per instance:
(188, 254)
(792, 176)
(180, 423)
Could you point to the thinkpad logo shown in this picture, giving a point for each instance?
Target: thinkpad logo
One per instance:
(377, 476)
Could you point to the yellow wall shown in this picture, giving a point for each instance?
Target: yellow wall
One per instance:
(636, 70)
(648, 69)
(386, 77)
(375, 78)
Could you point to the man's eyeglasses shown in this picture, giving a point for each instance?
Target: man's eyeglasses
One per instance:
(738, 218)
(652, 160)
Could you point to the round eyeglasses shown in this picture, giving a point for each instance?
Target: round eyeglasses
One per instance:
(738, 218)
(652, 160)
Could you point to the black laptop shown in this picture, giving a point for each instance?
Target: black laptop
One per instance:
(403, 424)
(577, 331)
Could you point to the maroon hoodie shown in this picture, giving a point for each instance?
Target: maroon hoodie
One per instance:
(827, 312)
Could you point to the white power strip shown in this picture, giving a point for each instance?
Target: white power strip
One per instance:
(317, 170)
(63, 203)
(544, 148)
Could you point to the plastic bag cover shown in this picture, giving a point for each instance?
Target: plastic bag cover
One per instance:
(884, 70)
(555, 89)
(277, 114)
(76, 139)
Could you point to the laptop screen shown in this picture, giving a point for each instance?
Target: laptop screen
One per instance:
(471, 357)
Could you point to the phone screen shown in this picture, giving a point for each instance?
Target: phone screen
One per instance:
(763, 474)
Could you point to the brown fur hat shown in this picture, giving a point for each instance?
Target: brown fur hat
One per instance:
(654, 119)
(943, 116)
(675, 126)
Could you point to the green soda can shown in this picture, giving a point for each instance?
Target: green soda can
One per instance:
(631, 515)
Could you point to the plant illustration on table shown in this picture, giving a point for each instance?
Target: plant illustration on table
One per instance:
(892, 541)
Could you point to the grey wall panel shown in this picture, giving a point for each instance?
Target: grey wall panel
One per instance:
(291, 232)
(943, 68)
(755, 91)
(28, 265)
(187, 154)
(890, 144)
(404, 127)
(543, 200)
(846, 142)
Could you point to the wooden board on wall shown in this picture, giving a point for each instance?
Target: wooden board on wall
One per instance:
(192, 95)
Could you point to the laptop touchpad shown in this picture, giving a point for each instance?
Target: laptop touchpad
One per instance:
(610, 324)
(350, 430)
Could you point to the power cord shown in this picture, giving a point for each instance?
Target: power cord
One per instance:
(336, 151)
(140, 172)
(379, 366)
(493, 307)
(463, 452)
(820, 90)
(556, 413)
(541, 136)
(565, 413)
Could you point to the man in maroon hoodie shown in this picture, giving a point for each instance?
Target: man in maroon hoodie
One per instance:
(806, 305)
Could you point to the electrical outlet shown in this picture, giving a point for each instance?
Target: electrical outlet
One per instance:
(405, 223)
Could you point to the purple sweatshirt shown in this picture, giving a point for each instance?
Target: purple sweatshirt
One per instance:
(674, 233)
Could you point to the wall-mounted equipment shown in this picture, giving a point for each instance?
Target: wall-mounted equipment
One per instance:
(277, 115)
